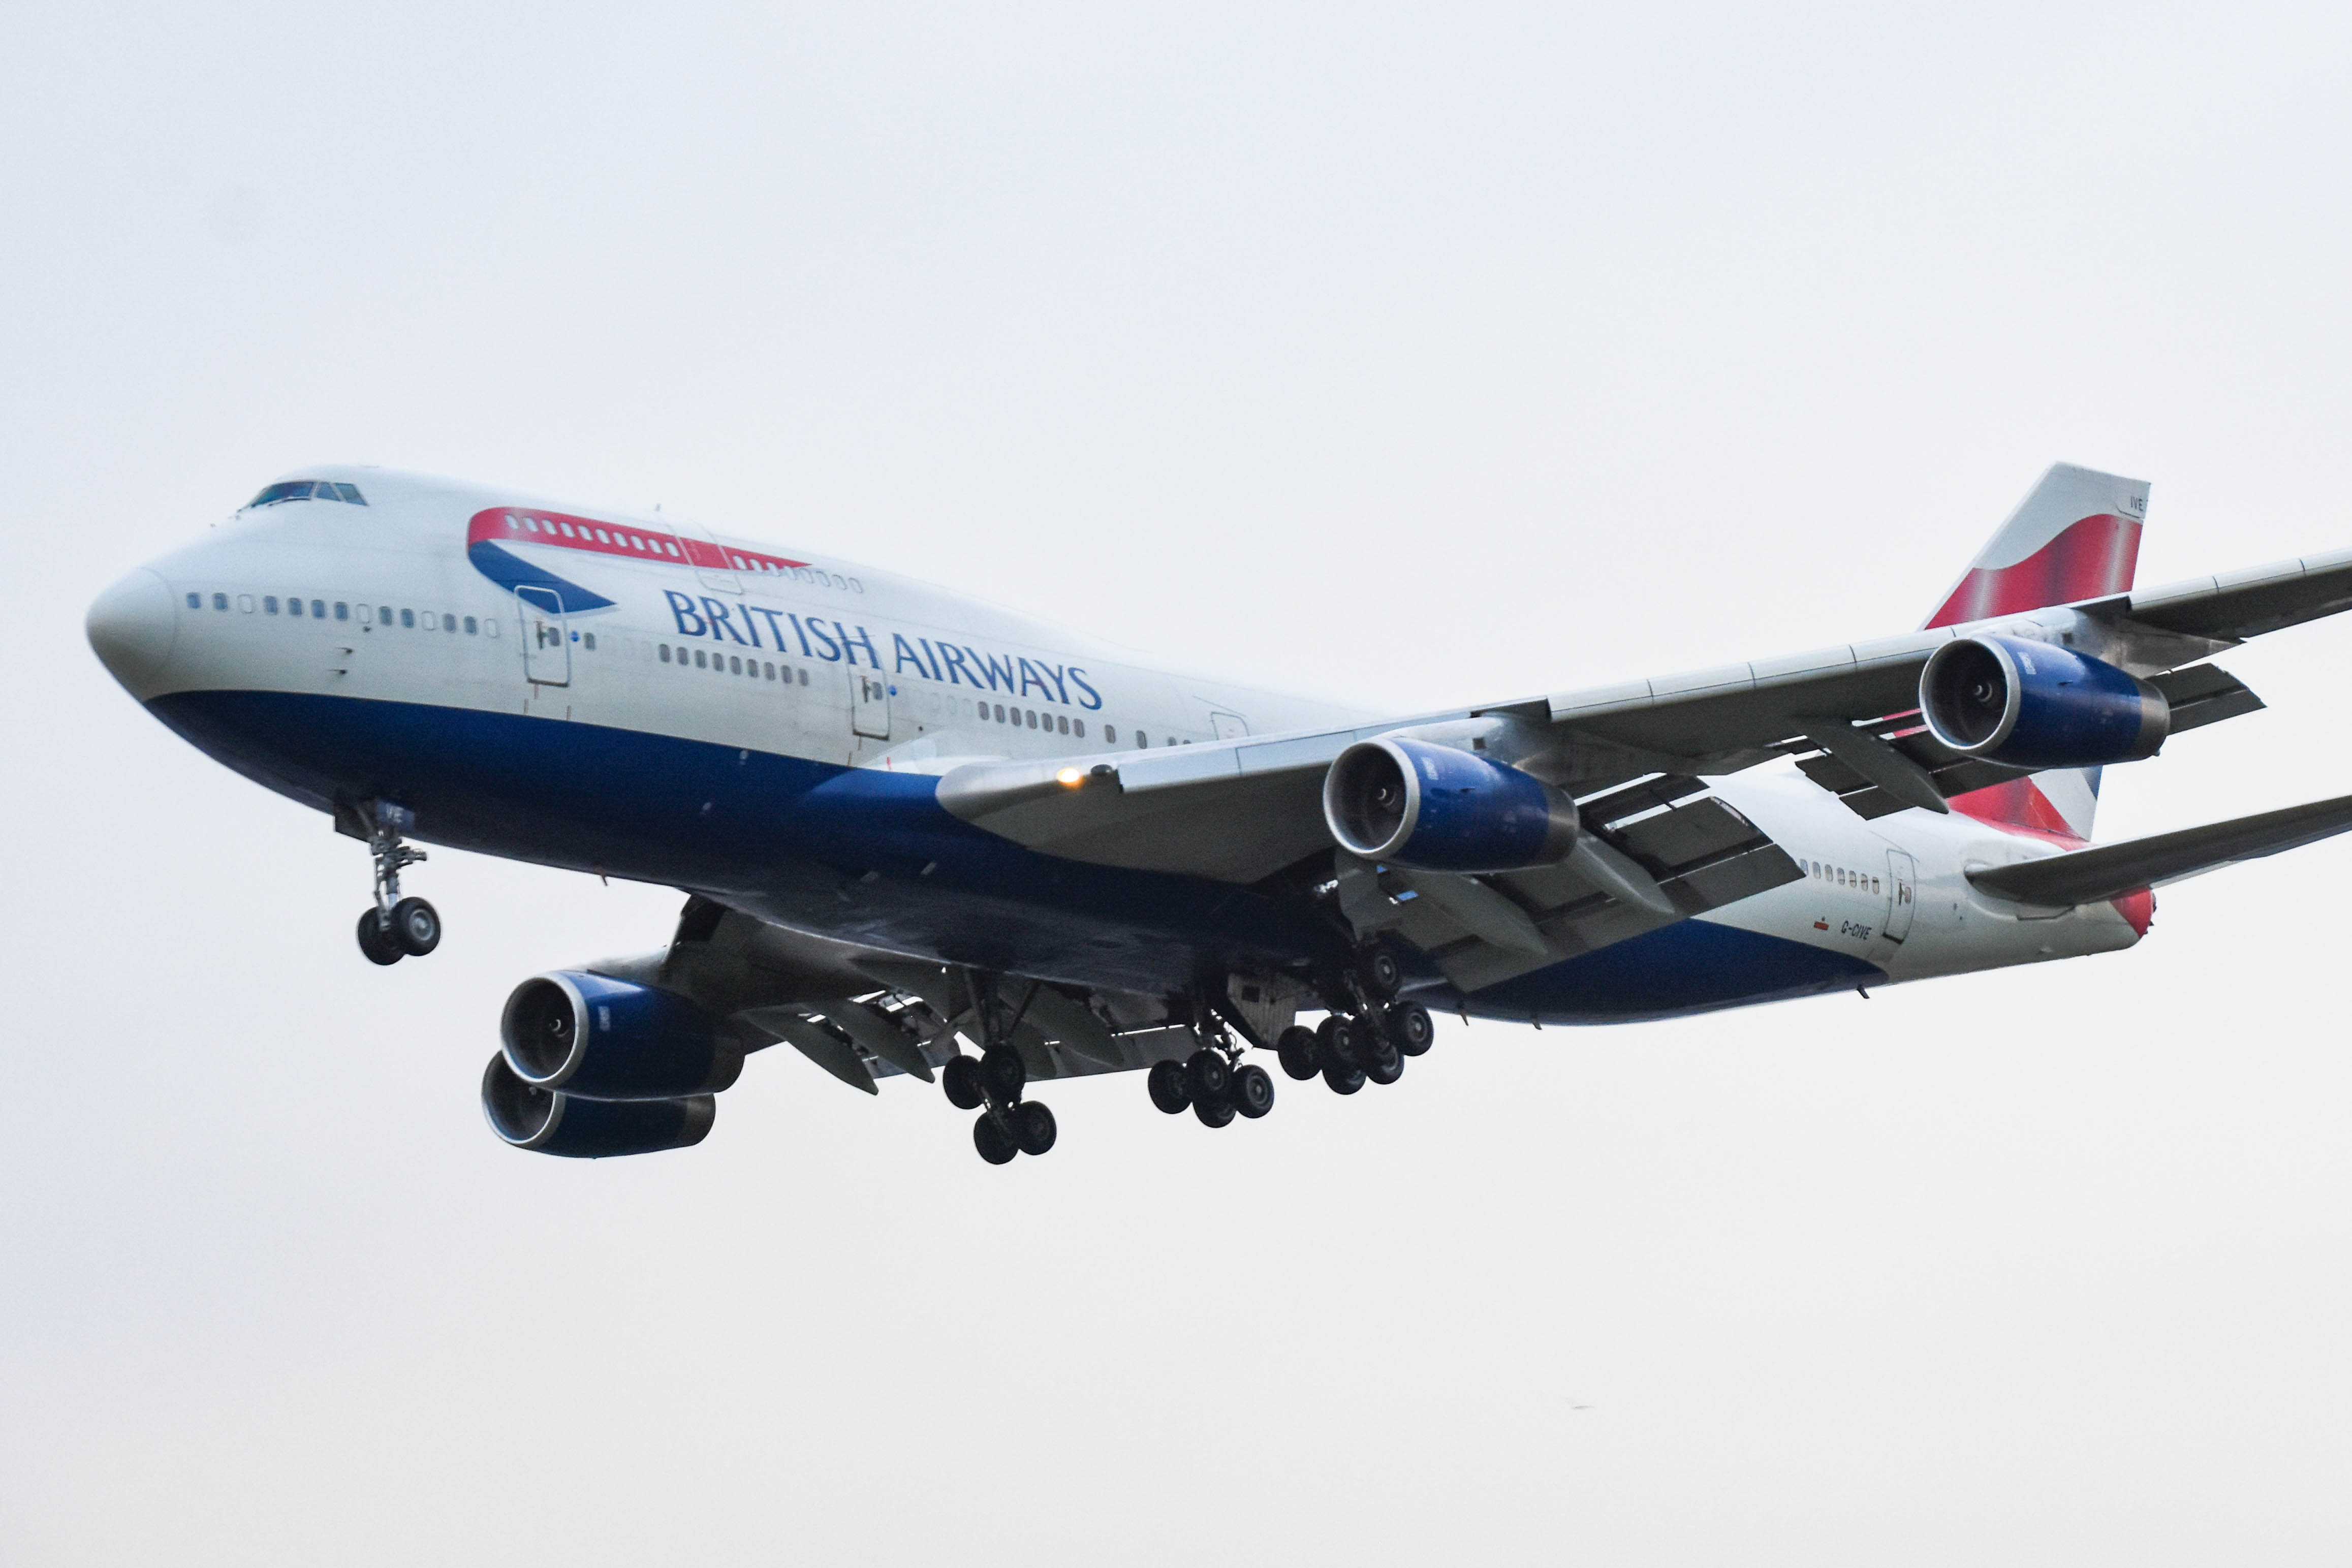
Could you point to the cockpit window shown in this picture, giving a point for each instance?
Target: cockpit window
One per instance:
(309, 490)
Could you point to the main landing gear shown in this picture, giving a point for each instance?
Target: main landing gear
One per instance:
(1367, 1045)
(992, 1083)
(1212, 1083)
(394, 928)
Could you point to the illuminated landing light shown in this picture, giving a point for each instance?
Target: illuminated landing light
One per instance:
(1071, 776)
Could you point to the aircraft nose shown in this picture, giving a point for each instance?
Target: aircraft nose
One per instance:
(132, 626)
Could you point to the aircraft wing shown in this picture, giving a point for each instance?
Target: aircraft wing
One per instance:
(1659, 846)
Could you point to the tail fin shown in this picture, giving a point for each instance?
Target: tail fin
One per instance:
(2075, 536)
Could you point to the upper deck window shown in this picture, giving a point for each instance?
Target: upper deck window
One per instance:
(308, 489)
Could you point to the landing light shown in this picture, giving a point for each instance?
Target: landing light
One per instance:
(1071, 776)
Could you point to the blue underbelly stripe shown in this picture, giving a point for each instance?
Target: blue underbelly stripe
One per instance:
(869, 856)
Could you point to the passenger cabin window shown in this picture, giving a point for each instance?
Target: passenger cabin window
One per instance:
(269, 604)
(408, 618)
(196, 601)
(220, 601)
(308, 489)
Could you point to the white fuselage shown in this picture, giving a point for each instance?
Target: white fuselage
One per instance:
(669, 632)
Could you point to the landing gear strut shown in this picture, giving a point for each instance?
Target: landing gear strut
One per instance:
(394, 928)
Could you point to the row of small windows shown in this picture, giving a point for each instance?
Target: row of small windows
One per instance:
(308, 489)
(620, 540)
(585, 533)
(1057, 724)
(341, 610)
(1858, 881)
(729, 664)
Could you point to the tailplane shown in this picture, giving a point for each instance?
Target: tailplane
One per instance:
(2075, 536)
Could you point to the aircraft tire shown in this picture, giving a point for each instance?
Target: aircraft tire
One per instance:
(995, 1144)
(962, 1079)
(1003, 1074)
(416, 927)
(1252, 1093)
(1380, 974)
(1296, 1049)
(1411, 1026)
(1207, 1075)
(1213, 1112)
(1382, 1061)
(375, 943)
(1168, 1092)
(1343, 1079)
(1335, 1042)
(1034, 1129)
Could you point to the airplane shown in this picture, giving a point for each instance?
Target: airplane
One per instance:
(907, 822)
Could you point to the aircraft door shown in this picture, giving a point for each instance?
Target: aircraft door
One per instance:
(1228, 726)
(1902, 894)
(869, 705)
(546, 641)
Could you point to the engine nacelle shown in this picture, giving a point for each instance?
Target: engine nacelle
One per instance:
(598, 1038)
(547, 1122)
(1413, 803)
(2035, 705)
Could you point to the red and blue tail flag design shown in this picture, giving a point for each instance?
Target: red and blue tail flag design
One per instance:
(2077, 536)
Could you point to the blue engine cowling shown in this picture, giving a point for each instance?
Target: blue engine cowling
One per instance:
(2036, 705)
(594, 1038)
(547, 1122)
(1413, 803)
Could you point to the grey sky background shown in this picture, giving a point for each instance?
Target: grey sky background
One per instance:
(1415, 356)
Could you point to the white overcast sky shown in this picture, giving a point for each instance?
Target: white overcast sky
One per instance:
(1414, 355)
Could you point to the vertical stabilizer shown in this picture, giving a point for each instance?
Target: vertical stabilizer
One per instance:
(2075, 536)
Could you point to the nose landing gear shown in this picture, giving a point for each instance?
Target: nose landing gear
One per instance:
(394, 928)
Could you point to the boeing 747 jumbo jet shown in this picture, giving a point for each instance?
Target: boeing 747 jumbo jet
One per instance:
(905, 821)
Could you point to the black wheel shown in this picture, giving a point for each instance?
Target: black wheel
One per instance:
(1252, 1092)
(962, 1079)
(1166, 1081)
(415, 926)
(1032, 1128)
(376, 943)
(995, 1144)
(1207, 1074)
(1408, 1025)
(1213, 1112)
(1343, 1079)
(1380, 973)
(1382, 1061)
(1002, 1074)
(1296, 1049)
(1335, 1042)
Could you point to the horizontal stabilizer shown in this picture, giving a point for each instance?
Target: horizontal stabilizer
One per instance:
(2111, 870)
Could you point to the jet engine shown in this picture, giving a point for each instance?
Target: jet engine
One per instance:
(547, 1122)
(1438, 809)
(2035, 705)
(594, 1038)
